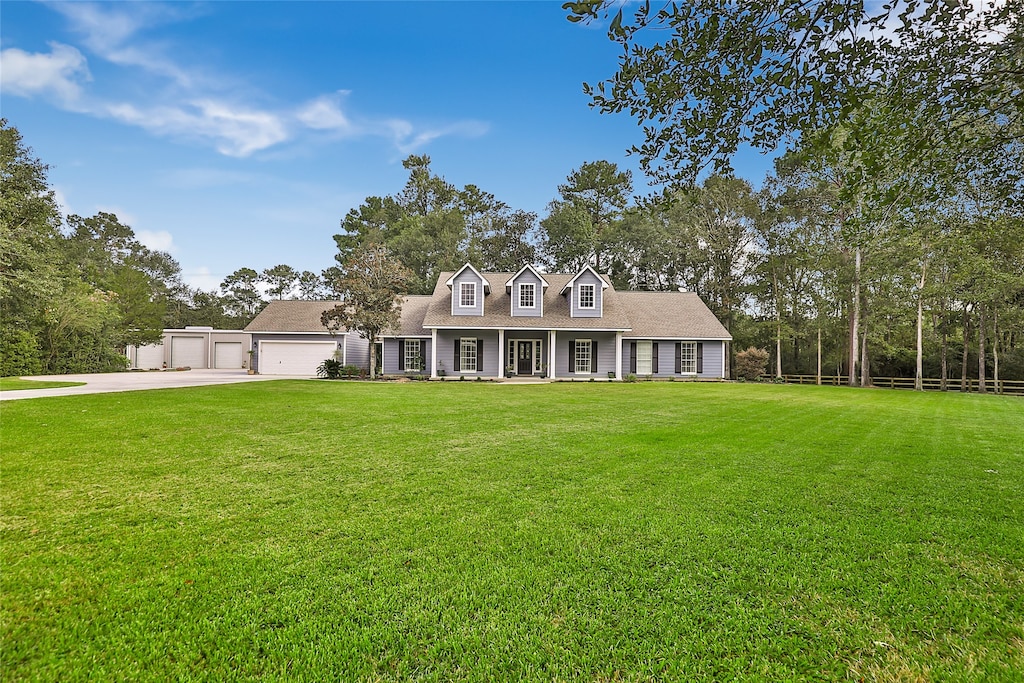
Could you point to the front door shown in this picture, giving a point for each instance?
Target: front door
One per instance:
(524, 354)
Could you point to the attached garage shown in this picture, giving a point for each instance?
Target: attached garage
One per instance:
(149, 357)
(294, 357)
(188, 352)
(227, 354)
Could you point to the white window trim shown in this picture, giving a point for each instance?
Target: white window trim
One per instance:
(649, 345)
(467, 284)
(589, 345)
(682, 361)
(416, 344)
(593, 296)
(464, 343)
(533, 295)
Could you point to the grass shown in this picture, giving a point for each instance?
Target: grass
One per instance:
(17, 384)
(599, 532)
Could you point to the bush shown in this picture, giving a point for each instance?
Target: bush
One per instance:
(19, 354)
(630, 378)
(751, 364)
(330, 369)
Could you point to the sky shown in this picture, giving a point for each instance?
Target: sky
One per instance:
(239, 134)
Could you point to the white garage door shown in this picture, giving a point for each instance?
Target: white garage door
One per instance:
(188, 351)
(294, 358)
(227, 354)
(149, 357)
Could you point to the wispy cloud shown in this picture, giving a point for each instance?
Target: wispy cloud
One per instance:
(190, 104)
(157, 240)
(201, 278)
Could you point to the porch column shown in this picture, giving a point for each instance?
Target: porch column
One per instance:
(618, 355)
(551, 354)
(502, 353)
(433, 353)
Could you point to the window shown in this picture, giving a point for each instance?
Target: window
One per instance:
(527, 291)
(467, 355)
(467, 294)
(582, 362)
(413, 360)
(688, 357)
(644, 358)
(586, 296)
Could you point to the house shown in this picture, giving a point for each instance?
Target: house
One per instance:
(553, 325)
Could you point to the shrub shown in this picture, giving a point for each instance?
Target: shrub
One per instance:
(19, 353)
(330, 369)
(630, 378)
(751, 364)
(351, 371)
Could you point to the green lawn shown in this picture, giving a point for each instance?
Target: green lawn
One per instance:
(17, 383)
(598, 532)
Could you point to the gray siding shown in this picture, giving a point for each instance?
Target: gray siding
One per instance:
(711, 365)
(587, 278)
(468, 275)
(564, 342)
(357, 351)
(446, 340)
(393, 348)
(527, 276)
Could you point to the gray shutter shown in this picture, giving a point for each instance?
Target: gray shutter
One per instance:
(572, 355)
(479, 355)
(401, 354)
(700, 357)
(457, 363)
(679, 357)
(632, 357)
(593, 356)
(654, 357)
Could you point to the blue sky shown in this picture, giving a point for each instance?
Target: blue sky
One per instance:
(238, 134)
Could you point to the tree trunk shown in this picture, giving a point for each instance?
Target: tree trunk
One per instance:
(944, 371)
(865, 366)
(778, 325)
(964, 386)
(995, 350)
(919, 376)
(818, 378)
(855, 319)
(981, 349)
(373, 359)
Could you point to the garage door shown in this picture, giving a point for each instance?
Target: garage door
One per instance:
(227, 354)
(294, 358)
(149, 357)
(188, 351)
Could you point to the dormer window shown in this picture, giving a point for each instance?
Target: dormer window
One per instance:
(586, 294)
(527, 295)
(467, 294)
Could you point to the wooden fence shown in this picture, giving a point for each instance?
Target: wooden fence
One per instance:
(1004, 386)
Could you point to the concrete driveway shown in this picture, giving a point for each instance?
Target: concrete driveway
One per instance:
(134, 381)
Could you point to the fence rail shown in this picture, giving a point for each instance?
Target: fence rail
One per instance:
(1003, 386)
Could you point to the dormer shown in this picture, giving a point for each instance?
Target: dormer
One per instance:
(469, 288)
(526, 292)
(586, 294)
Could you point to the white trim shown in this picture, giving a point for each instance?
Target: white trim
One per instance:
(591, 361)
(593, 296)
(459, 295)
(538, 354)
(325, 332)
(552, 356)
(451, 280)
(569, 284)
(677, 338)
(519, 295)
(433, 354)
(543, 283)
(618, 355)
(537, 329)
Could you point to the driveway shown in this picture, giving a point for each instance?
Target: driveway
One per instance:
(134, 381)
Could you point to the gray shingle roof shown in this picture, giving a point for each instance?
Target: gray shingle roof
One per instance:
(414, 307)
(498, 308)
(673, 315)
(291, 316)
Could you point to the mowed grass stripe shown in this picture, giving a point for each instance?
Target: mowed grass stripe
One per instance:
(317, 531)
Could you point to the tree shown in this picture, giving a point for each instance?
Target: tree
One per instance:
(242, 298)
(372, 287)
(311, 286)
(581, 224)
(280, 280)
(705, 77)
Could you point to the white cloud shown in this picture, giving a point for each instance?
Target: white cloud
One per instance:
(159, 240)
(407, 140)
(324, 113)
(201, 278)
(235, 131)
(57, 73)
